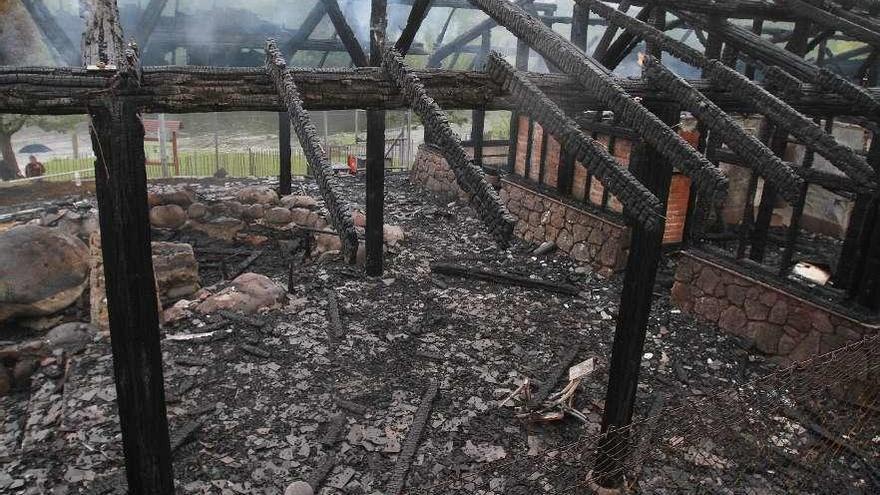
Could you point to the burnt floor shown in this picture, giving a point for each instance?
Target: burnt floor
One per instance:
(264, 419)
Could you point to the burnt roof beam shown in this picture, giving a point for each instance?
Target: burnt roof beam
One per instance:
(832, 20)
(469, 177)
(766, 163)
(747, 42)
(640, 203)
(590, 74)
(346, 35)
(306, 28)
(775, 109)
(416, 17)
(328, 183)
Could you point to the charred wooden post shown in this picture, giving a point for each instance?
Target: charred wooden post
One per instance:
(522, 63)
(478, 115)
(376, 152)
(639, 202)
(417, 15)
(591, 75)
(580, 19)
(328, 183)
(346, 35)
(468, 176)
(121, 188)
(766, 103)
(655, 172)
(284, 154)
(764, 161)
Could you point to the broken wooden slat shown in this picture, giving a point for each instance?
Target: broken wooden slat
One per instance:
(503, 278)
(413, 438)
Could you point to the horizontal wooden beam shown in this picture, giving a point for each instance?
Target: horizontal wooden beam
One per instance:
(188, 89)
(741, 9)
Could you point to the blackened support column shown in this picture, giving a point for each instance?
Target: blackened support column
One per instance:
(655, 172)
(285, 172)
(376, 152)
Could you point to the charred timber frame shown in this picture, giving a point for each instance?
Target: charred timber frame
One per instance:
(117, 134)
(640, 203)
(375, 181)
(832, 19)
(339, 209)
(770, 54)
(763, 160)
(469, 177)
(346, 35)
(590, 74)
(775, 109)
(192, 89)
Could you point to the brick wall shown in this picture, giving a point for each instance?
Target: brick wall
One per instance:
(778, 322)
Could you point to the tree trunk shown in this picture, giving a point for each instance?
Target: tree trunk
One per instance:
(9, 168)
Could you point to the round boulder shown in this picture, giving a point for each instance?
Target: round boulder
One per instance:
(257, 195)
(70, 336)
(167, 216)
(278, 216)
(299, 201)
(299, 488)
(42, 271)
(249, 293)
(252, 212)
(197, 211)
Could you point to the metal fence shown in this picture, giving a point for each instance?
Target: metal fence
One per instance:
(253, 162)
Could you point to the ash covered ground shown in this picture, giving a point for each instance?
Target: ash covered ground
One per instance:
(281, 397)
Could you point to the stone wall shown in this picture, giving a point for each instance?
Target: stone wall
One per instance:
(431, 171)
(586, 237)
(777, 322)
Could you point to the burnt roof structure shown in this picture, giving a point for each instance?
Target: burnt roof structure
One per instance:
(793, 93)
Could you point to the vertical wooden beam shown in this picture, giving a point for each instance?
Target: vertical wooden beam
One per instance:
(117, 134)
(478, 115)
(284, 153)
(522, 63)
(655, 173)
(857, 246)
(376, 151)
(580, 20)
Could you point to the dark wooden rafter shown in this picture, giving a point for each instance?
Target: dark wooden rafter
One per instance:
(328, 183)
(580, 20)
(454, 45)
(729, 9)
(768, 53)
(346, 35)
(417, 14)
(625, 43)
(50, 29)
(306, 28)
(832, 18)
(469, 177)
(117, 134)
(775, 109)
(149, 20)
(640, 203)
(608, 36)
(590, 74)
(768, 165)
(192, 89)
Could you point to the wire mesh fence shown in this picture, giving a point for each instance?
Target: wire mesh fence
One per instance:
(808, 428)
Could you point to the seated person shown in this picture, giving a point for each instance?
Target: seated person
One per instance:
(34, 168)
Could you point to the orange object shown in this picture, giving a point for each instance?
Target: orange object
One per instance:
(352, 165)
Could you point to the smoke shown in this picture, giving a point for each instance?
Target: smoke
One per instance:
(21, 42)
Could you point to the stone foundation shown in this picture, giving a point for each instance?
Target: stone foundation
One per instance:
(431, 171)
(586, 237)
(777, 322)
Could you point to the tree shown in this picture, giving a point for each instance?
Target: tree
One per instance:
(10, 124)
